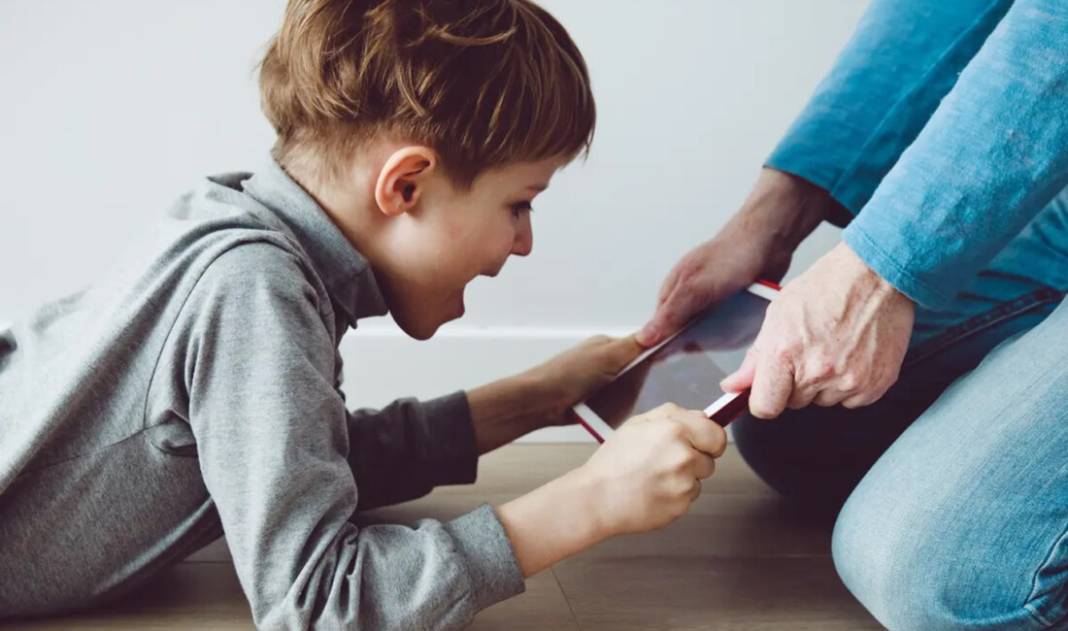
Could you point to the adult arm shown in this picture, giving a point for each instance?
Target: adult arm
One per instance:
(904, 57)
(993, 154)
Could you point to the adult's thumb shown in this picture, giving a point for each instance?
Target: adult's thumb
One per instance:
(741, 379)
(669, 317)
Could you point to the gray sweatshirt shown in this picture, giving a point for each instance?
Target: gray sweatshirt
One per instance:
(195, 393)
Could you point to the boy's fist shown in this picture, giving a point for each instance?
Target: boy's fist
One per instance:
(649, 472)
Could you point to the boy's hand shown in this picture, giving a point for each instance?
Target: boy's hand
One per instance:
(576, 373)
(542, 396)
(644, 477)
(649, 472)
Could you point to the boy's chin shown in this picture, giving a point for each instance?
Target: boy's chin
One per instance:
(424, 328)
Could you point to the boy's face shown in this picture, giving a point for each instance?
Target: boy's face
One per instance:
(450, 236)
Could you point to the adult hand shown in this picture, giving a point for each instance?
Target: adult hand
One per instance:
(758, 242)
(837, 334)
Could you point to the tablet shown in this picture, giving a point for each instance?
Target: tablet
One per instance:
(686, 368)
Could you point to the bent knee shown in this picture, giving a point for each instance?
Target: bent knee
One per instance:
(803, 466)
(915, 569)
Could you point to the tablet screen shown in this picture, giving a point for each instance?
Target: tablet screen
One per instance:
(687, 370)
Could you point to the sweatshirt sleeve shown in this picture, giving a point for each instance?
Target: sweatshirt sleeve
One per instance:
(902, 60)
(274, 442)
(407, 448)
(993, 154)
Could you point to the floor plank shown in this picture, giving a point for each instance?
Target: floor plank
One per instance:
(542, 606)
(739, 560)
(631, 592)
(186, 596)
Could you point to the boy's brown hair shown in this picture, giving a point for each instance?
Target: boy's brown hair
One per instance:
(483, 82)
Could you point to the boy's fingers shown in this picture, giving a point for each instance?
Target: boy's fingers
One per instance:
(705, 467)
(624, 350)
(705, 435)
(695, 492)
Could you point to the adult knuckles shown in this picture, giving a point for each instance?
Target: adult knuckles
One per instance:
(784, 353)
(819, 367)
(849, 381)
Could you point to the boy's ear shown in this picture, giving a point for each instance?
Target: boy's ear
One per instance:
(403, 179)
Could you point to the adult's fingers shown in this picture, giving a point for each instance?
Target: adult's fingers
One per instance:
(669, 285)
(830, 397)
(773, 384)
(670, 315)
(742, 378)
(801, 398)
(862, 399)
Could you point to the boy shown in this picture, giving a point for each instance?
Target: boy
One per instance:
(197, 392)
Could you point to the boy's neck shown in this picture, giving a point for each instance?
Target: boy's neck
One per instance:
(348, 201)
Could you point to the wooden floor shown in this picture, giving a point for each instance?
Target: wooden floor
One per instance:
(739, 560)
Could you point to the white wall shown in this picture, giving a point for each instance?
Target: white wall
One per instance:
(112, 108)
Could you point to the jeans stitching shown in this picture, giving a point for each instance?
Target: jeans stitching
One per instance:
(1030, 605)
(982, 322)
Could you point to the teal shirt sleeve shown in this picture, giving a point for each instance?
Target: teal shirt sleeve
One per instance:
(903, 59)
(992, 155)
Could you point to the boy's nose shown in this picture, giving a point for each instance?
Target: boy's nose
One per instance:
(524, 237)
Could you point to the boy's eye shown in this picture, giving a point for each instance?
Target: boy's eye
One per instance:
(520, 207)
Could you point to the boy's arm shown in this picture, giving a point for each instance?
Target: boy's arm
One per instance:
(903, 58)
(273, 442)
(405, 449)
(991, 157)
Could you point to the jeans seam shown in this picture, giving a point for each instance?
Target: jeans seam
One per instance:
(1035, 594)
(983, 321)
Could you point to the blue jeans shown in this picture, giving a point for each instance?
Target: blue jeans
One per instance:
(955, 483)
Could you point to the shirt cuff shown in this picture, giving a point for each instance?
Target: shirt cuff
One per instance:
(788, 163)
(454, 459)
(487, 555)
(892, 271)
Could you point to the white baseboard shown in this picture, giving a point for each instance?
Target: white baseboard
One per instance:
(383, 364)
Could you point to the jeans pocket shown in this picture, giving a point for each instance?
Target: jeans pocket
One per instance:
(973, 326)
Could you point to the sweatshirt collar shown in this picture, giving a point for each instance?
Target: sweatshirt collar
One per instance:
(345, 272)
